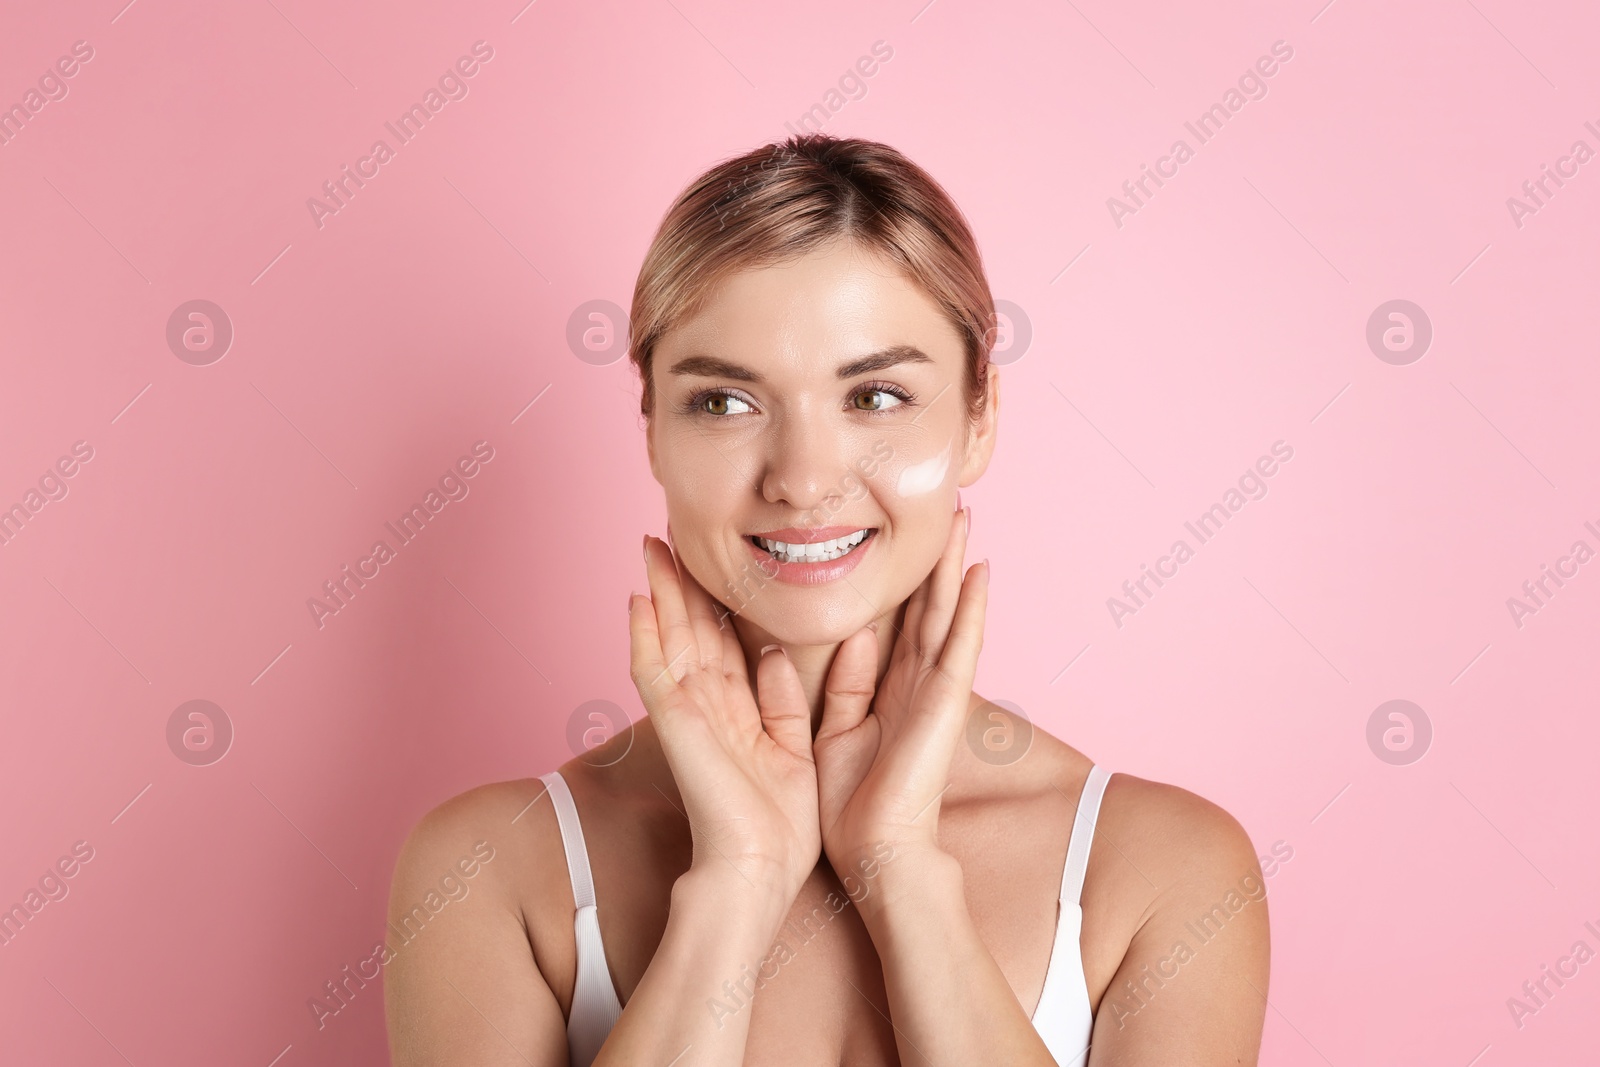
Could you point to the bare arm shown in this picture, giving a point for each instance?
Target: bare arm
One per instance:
(461, 984)
(948, 999)
(1175, 999)
(464, 989)
(690, 1000)
(1192, 986)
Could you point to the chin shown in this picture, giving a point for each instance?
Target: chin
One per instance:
(828, 619)
(805, 636)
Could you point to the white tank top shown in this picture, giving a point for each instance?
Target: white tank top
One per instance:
(1063, 1018)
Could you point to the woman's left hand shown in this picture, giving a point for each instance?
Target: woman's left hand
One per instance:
(883, 753)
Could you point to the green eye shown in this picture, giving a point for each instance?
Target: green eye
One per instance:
(716, 402)
(894, 398)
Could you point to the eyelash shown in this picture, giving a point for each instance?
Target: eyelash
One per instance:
(694, 404)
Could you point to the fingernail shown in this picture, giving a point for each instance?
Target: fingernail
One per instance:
(630, 604)
(768, 648)
(969, 519)
(647, 548)
(958, 500)
(987, 571)
(873, 625)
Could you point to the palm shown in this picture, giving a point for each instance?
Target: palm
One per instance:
(740, 753)
(755, 799)
(877, 779)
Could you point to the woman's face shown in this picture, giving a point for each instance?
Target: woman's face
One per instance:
(808, 402)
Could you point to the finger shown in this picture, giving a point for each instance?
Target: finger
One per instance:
(703, 617)
(852, 682)
(959, 663)
(929, 742)
(646, 663)
(672, 616)
(906, 640)
(732, 651)
(785, 715)
(945, 590)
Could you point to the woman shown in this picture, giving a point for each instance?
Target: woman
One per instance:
(817, 847)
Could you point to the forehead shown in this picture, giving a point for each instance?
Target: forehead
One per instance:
(832, 303)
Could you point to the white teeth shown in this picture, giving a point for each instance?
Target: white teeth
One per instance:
(820, 551)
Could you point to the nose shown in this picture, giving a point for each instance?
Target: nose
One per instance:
(803, 466)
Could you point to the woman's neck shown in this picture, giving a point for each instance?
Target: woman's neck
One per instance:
(813, 662)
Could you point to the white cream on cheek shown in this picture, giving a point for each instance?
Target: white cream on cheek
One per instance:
(925, 477)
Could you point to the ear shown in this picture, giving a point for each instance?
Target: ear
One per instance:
(981, 433)
(650, 448)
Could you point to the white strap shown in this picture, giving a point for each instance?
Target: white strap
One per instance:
(1083, 834)
(571, 839)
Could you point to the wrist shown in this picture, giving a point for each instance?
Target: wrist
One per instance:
(732, 897)
(907, 880)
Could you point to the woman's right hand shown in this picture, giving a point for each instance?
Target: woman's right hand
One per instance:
(741, 756)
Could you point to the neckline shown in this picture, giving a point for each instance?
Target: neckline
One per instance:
(1050, 967)
(1055, 938)
(1044, 988)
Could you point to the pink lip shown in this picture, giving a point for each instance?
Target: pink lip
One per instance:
(809, 573)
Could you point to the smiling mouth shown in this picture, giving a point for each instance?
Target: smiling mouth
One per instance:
(818, 552)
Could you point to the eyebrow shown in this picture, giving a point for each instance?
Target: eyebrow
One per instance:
(712, 367)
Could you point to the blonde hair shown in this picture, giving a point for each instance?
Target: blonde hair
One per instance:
(787, 198)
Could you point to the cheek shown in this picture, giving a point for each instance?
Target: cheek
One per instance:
(911, 483)
(699, 479)
(705, 489)
(921, 476)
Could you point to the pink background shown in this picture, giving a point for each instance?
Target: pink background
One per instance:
(369, 354)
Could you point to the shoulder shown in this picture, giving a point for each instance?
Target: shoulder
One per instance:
(494, 838)
(463, 911)
(1204, 915)
(1172, 827)
(491, 813)
(1180, 844)
(1158, 827)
